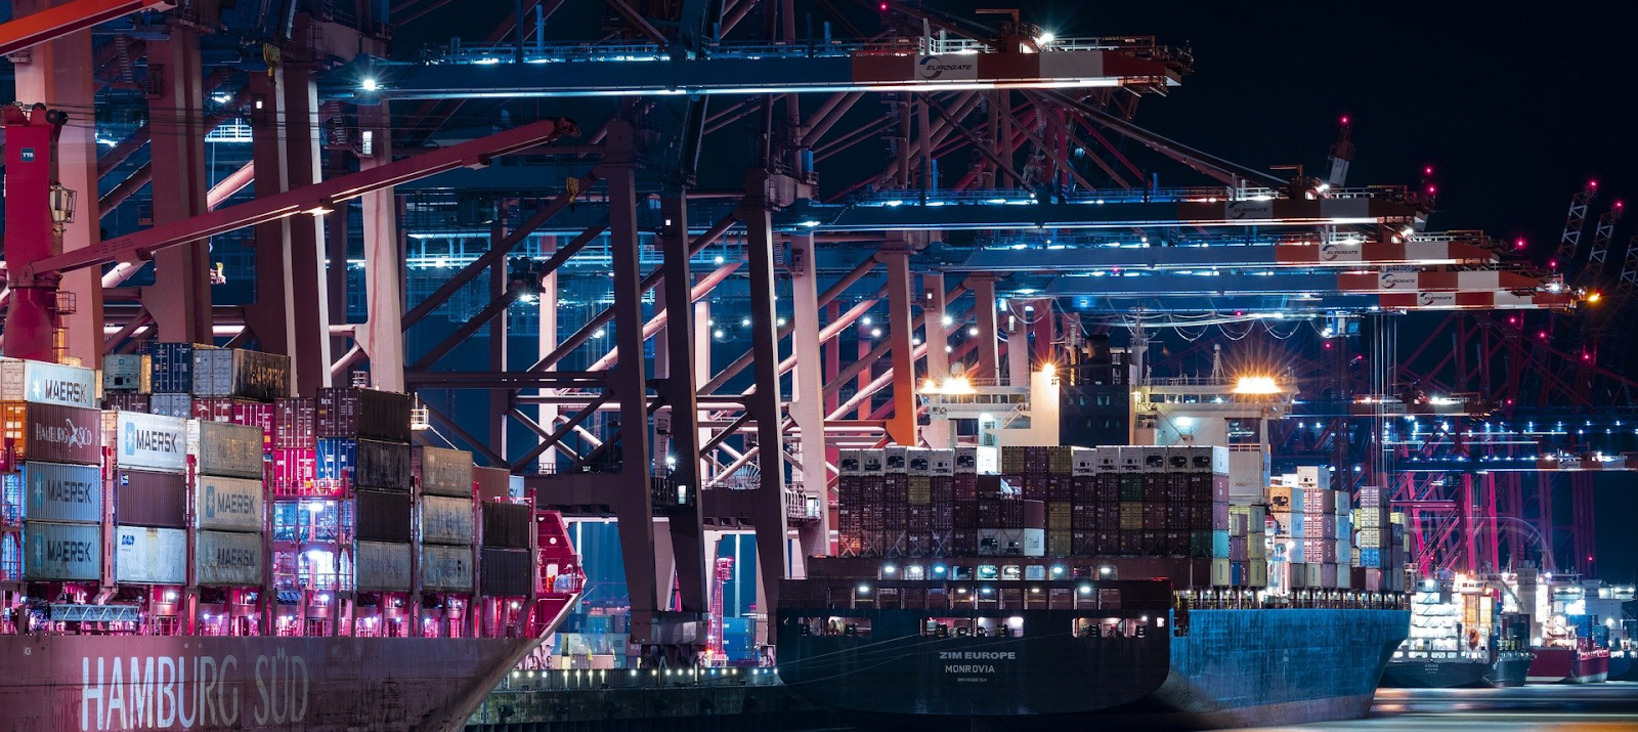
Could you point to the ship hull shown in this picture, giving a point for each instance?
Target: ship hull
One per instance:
(1507, 671)
(1231, 668)
(1563, 665)
(249, 683)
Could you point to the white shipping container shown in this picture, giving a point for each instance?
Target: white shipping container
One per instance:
(382, 566)
(919, 461)
(147, 556)
(896, 459)
(850, 462)
(60, 492)
(68, 552)
(228, 504)
(1083, 461)
(989, 459)
(445, 472)
(943, 462)
(127, 372)
(226, 449)
(149, 441)
(1034, 542)
(48, 383)
(446, 568)
(228, 558)
(446, 520)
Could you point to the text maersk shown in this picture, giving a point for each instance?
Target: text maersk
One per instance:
(183, 692)
(71, 392)
(139, 438)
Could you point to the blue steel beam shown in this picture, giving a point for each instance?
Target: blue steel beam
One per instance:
(620, 70)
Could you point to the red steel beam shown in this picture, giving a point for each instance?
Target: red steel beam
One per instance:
(311, 199)
(36, 28)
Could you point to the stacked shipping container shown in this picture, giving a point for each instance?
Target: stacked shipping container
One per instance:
(1319, 543)
(51, 433)
(1131, 501)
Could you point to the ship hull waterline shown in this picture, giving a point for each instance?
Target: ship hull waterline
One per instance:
(1232, 668)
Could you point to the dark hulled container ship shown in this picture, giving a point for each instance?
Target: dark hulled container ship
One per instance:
(249, 562)
(1459, 637)
(1145, 596)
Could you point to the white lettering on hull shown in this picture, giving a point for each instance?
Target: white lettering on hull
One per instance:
(184, 692)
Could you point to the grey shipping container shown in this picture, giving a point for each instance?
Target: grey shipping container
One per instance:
(233, 450)
(446, 520)
(229, 504)
(383, 516)
(172, 405)
(61, 492)
(67, 552)
(382, 566)
(236, 372)
(126, 372)
(507, 525)
(444, 472)
(506, 572)
(225, 558)
(446, 568)
(142, 498)
(148, 556)
(377, 415)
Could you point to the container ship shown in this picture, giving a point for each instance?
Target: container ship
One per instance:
(1171, 582)
(1577, 626)
(185, 546)
(1460, 637)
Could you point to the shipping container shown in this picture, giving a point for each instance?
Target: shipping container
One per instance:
(143, 498)
(47, 383)
(364, 463)
(127, 401)
(382, 566)
(171, 366)
(507, 525)
(226, 449)
(50, 433)
(149, 556)
(446, 568)
(229, 504)
(228, 559)
(148, 441)
(444, 472)
(446, 520)
(294, 423)
(492, 484)
(292, 471)
(367, 413)
(384, 516)
(169, 404)
(127, 373)
(235, 372)
(62, 552)
(506, 572)
(62, 492)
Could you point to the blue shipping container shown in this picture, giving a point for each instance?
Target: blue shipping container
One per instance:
(172, 367)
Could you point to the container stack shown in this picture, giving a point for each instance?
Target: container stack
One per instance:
(50, 491)
(1045, 501)
(445, 482)
(363, 461)
(148, 480)
(505, 565)
(228, 503)
(171, 371)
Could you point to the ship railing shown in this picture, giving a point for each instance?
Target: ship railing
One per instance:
(633, 678)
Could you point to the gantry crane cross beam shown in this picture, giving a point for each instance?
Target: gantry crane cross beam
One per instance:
(55, 22)
(760, 69)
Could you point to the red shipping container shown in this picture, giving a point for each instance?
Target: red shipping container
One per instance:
(1083, 488)
(1060, 488)
(943, 488)
(895, 488)
(128, 402)
(293, 423)
(965, 486)
(255, 414)
(292, 471)
(1220, 516)
(944, 517)
(896, 516)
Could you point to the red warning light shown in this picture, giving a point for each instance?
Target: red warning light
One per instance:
(1618, 204)
(1592, 184)
(1345, 119)
(1519, 243)
(1552, 263)
(1328, 345)
(1432, 190)
(882, 7)
(1427, 170)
